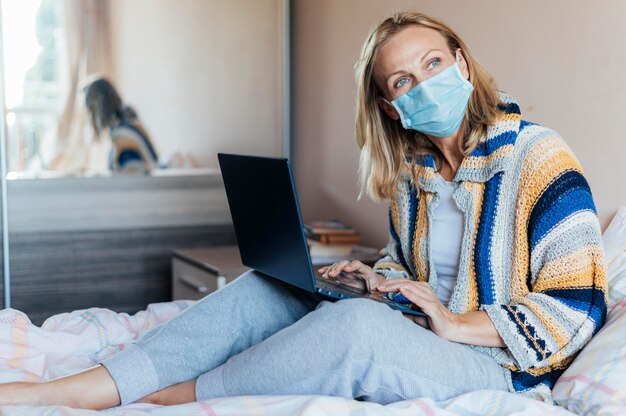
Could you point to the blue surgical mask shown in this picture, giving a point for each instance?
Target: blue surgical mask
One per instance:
(436, 106)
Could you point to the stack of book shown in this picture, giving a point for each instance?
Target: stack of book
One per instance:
(331, 238)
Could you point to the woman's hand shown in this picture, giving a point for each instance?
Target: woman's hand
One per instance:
(439, 319)
(353, 273)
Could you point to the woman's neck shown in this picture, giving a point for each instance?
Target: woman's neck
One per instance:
(450, 147)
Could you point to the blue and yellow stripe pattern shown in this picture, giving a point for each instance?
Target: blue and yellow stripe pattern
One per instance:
(532, 254)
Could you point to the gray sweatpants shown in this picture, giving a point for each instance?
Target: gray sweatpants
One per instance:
(260, 336)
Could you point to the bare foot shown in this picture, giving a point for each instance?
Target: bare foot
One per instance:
(175, 394)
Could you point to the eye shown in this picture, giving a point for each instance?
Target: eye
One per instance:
(401, 82)
(433, 63)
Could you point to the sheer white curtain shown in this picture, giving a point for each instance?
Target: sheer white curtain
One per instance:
(87, 32)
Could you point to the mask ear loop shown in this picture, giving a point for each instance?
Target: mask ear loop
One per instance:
(456, 53)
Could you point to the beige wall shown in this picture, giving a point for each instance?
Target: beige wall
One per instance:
(204, 75)
(563, 62)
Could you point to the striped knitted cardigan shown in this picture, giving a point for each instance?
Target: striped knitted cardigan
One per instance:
(531, 254)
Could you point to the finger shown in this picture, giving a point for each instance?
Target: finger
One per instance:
(418, 295)
(327, 269)
(337, 267)
(353, 265)
(383, 284)
(324, 271)
(423, 291)
(423, 284)
(395, 280)
(426, 303)
(391, 286)
(414, 295)
(395, 284)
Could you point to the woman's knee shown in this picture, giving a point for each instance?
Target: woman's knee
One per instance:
(355, 320)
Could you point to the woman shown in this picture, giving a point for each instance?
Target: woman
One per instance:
(493, 234)
(132, 150)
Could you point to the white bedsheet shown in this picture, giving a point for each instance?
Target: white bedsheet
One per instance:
(66, 343)
(70, 342)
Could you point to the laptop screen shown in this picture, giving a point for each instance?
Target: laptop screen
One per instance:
(264, 207)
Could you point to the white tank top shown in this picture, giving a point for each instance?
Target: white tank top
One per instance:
(446, 236)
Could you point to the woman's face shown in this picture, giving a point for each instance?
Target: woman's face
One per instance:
(409, 57)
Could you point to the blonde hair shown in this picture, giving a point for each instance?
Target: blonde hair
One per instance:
(384, 143)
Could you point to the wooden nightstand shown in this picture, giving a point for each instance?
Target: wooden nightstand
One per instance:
(198, 272)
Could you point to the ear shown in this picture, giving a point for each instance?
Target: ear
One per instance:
(388, 108)
(462, 63)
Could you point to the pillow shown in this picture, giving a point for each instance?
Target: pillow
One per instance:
(614, 239)
(595, 382)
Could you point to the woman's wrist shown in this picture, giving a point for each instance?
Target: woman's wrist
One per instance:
(459, 327)
(451, 329)
(474, 328)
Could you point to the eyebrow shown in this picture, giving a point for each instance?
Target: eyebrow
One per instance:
(421, 60)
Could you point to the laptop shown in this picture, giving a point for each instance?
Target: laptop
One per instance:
(268, 225)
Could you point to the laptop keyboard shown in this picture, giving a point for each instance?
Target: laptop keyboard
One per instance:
(330, 286)
(345, 291)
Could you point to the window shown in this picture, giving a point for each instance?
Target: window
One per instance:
(33, 64)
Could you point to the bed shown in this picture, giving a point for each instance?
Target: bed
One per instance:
(594, 384)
